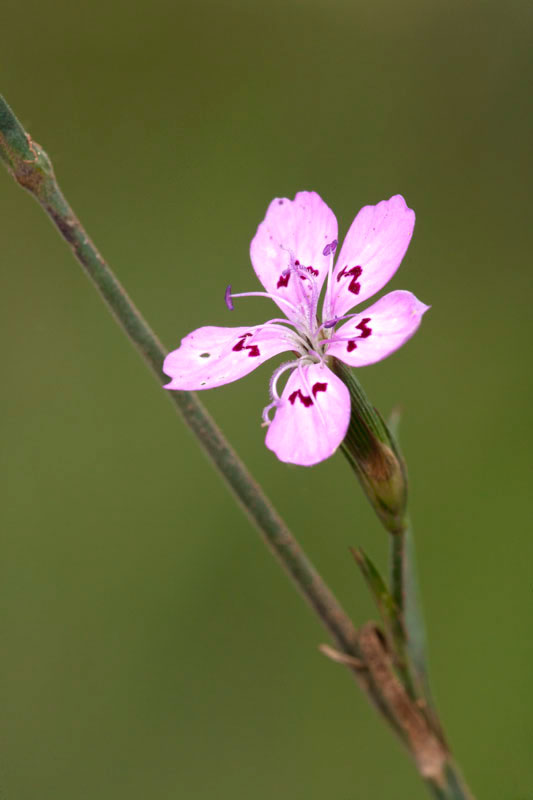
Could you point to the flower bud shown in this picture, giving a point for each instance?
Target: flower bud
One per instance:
(374, 456)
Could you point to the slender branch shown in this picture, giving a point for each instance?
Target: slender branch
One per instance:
(372, 451)
(32, 169)
(397, 546)
(454, 787)
(406, 593)
(368, 661)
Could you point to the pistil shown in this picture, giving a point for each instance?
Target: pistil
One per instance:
(229, 295)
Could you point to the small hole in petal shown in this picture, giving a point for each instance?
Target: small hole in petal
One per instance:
(205, 355)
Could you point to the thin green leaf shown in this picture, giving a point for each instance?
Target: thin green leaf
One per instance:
(390, 615)
(393, 422)
(404, 562)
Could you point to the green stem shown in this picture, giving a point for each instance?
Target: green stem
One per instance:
(365, 446)
(406, 592)
(454, 787)
(397, 568)
(32, 169)
(30, 166)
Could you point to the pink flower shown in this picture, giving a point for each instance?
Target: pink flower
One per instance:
(292, 254)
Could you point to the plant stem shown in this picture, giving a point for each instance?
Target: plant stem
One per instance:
(454, 789)
(397, 547)
(31, 167)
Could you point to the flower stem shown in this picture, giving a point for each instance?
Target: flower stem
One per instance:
(454, 787)
(32, 169)
(397, 547)
(372, 451)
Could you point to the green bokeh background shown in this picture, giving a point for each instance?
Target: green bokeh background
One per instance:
(151, 646)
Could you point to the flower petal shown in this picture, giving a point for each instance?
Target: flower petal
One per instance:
(370, 254)
(303, 232)
(379, 330)
(212, 356)
(312, 418)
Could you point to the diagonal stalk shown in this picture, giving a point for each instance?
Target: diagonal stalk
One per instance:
(32, 169)
(30, 166)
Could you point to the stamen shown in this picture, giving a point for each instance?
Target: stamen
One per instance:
(330, 323)
(271, 295)
(276, 400)
(365, 333)
(282, 321)
(296, 266)
(304, 273)
(318, 356)
(330, 248)
(266, 419)
(335, 339)
(227, 297)
(276, 376)
(327, 298)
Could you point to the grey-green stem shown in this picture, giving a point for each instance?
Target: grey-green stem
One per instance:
(30, 166)
(32, 169)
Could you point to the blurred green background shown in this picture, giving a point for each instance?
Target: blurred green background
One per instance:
(151, 646)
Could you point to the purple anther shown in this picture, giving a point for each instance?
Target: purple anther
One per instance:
(330, 248)
(330, 323)
(227, 298)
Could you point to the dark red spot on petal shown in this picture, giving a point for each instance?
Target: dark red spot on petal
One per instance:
(354, 273)
(304, 398)
(311, 271)
(365, 333)
(363, 327)
(253, 349)
(240, 343)
(283, 280)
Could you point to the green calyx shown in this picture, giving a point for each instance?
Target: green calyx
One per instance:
(374, 456)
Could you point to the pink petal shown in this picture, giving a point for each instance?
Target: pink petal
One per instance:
(211, 356)
(313, 417)
(298, 230)
(371, 253)
(379, 330)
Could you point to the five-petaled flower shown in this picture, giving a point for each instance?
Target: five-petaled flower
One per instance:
(292, 254)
